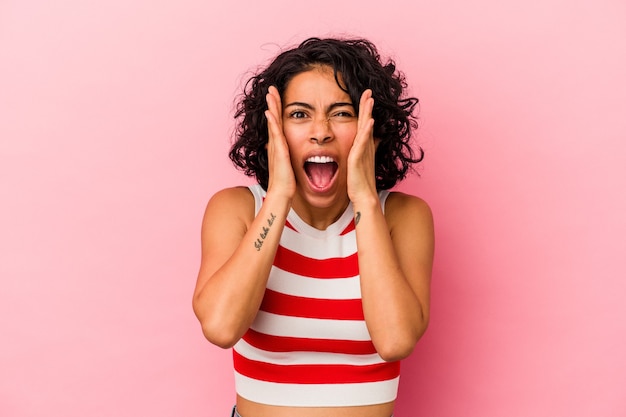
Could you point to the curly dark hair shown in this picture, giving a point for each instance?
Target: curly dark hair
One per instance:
(358, 64)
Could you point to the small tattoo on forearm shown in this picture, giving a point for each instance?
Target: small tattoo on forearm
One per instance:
(357, 217)
(264, 231)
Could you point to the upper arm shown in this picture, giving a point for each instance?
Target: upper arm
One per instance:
(411, 227)
(226, 220)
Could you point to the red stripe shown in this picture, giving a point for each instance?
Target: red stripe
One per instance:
(315, 374)
(350, 227)
(289, 225)
(315, 308)
(295, 263)
(272, 343)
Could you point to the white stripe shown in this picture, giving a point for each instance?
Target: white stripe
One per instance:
(301, 286)
(277, 325)
(258, 193)
(332, 230)
(305, 358)
(316, 395)
(330, 247)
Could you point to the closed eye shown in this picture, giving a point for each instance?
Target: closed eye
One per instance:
(341, 111)
(342, 114)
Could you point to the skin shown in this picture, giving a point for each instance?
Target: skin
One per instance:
(395, 248)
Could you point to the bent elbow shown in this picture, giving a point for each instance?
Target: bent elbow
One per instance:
(216, 331)
(400, 347)
(220, 337)
(395, 352)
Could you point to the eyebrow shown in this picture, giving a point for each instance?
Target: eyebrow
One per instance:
(310, 107)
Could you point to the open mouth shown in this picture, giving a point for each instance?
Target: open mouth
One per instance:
(321, 170)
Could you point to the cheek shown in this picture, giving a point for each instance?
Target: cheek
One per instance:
(292, 145)
(346, 135)
(294, 142)
(293, 134)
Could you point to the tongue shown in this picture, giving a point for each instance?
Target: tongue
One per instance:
(321, 174)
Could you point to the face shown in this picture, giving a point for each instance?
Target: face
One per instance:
(320, 124)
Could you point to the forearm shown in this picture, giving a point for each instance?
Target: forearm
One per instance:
(230, 298)
(394, 314)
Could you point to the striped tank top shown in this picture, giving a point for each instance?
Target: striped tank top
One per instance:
(308, 345)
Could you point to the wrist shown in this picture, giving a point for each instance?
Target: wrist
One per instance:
(366, 204)
(275, 197)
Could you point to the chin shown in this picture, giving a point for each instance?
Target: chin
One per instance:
(327, 197)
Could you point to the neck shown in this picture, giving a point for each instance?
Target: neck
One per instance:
(320, 217)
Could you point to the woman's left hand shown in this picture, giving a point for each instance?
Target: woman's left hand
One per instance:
(361, 174)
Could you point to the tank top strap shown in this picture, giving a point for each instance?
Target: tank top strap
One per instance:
(382, 196)
(259, 194)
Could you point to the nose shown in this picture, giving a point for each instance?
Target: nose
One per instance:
(321, 130)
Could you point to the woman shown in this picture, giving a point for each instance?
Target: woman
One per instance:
(318, 277)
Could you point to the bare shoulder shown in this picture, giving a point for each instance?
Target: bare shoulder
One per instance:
(402, 207)
(227, 217)
(410, 222)
(230, 205)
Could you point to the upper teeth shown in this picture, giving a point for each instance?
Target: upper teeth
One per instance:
(320, 159)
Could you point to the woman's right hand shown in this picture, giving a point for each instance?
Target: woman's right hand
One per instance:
(282, 180)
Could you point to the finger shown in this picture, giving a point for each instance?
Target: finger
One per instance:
(274, 103)
(365, 125)
(273, 114)
(366, 106)
(272, 124)
(365, 111)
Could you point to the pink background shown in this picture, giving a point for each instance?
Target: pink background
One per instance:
(115, 119)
